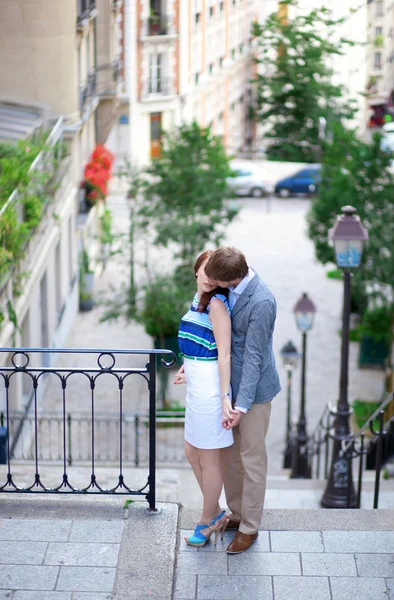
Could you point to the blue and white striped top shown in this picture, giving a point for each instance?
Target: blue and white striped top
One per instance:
(195, 337)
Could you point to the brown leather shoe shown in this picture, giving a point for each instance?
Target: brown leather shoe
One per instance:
(241, 542)
(232, 524)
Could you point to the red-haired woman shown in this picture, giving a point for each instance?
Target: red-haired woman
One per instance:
(205, 341)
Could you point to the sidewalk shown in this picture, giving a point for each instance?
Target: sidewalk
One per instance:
(82, 548)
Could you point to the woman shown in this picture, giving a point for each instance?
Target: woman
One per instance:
(205, 342)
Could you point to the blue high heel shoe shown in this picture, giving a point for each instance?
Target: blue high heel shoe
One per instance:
(199, 539)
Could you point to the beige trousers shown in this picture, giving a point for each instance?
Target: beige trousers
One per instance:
(245, 468)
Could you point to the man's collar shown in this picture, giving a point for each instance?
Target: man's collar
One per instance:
(243, 283)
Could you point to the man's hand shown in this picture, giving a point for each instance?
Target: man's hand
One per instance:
(235, 417)
(180, 376)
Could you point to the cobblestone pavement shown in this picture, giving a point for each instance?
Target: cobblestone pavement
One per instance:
(290, 565)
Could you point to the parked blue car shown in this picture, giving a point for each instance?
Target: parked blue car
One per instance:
(305, 181)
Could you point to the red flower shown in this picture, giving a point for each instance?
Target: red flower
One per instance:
(98, 171)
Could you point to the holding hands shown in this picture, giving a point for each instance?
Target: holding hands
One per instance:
(231, 417)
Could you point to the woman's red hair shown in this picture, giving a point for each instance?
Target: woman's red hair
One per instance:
(206, 296)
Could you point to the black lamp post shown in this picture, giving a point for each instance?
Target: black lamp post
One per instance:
(300, 466)
(289, 356)
(349, 236)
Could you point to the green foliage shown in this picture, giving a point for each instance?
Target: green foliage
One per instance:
(164, 304)
(363, 409)
(84, 262)
(106, 235)
(32, 186)
(357, 173)
(376, 324)
(186, 191)
(334, 274)
(294, 85)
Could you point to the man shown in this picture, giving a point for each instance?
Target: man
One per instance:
(254, 383)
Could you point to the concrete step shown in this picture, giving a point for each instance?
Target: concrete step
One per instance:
(179, 485)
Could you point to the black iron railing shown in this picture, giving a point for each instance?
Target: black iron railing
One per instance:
(371, 452)
(107, 78)
(135, 432)
(87, 91)
(375, 452)
(65, 384)
(84, 8)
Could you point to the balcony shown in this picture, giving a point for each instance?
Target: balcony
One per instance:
(88, 91)
(27, 212)
(86, 10)
(108, 79)
(157, 88)
(157, 26)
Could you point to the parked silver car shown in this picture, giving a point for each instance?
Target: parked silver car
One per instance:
(249, 180)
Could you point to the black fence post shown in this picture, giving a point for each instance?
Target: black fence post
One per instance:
(151, 496)
(136, 440)
(70, 458)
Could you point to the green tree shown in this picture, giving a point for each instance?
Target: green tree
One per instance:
(294, 84)
(185, 196)
(360, 174)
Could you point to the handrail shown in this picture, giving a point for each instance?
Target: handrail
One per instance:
(346, 445)
(55, 135)
(66, 379)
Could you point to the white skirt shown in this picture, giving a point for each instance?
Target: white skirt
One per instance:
(203, 417)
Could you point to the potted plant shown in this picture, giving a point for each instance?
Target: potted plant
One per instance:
(86, 282)
(97, 173)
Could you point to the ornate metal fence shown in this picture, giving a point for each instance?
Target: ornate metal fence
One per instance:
(371, 452)
(22, 367)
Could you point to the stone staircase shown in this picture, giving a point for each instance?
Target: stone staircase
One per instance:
(84, 548)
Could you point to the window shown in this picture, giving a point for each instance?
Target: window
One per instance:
(378, 60)
(378, 31)
(196, 77)
(155, 80)
(379, 8)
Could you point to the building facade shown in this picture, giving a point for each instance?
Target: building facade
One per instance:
(185, 60)
(61, 72)
(380, 60)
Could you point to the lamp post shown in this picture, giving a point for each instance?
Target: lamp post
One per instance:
(289, 356)
(300, 467)
(348, 236)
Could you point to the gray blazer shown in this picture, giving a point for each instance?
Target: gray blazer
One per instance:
(254, 378)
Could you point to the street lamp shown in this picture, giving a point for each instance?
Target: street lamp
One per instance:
(348, 236)
(289, 356)
(304, 312)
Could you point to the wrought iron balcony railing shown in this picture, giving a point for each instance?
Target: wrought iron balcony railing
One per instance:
(85, 11)
(90, 376)
(108, 78)
(88, 91)
(157, 25)
(44, 170)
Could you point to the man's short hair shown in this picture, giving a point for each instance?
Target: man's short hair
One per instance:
(226, 264)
